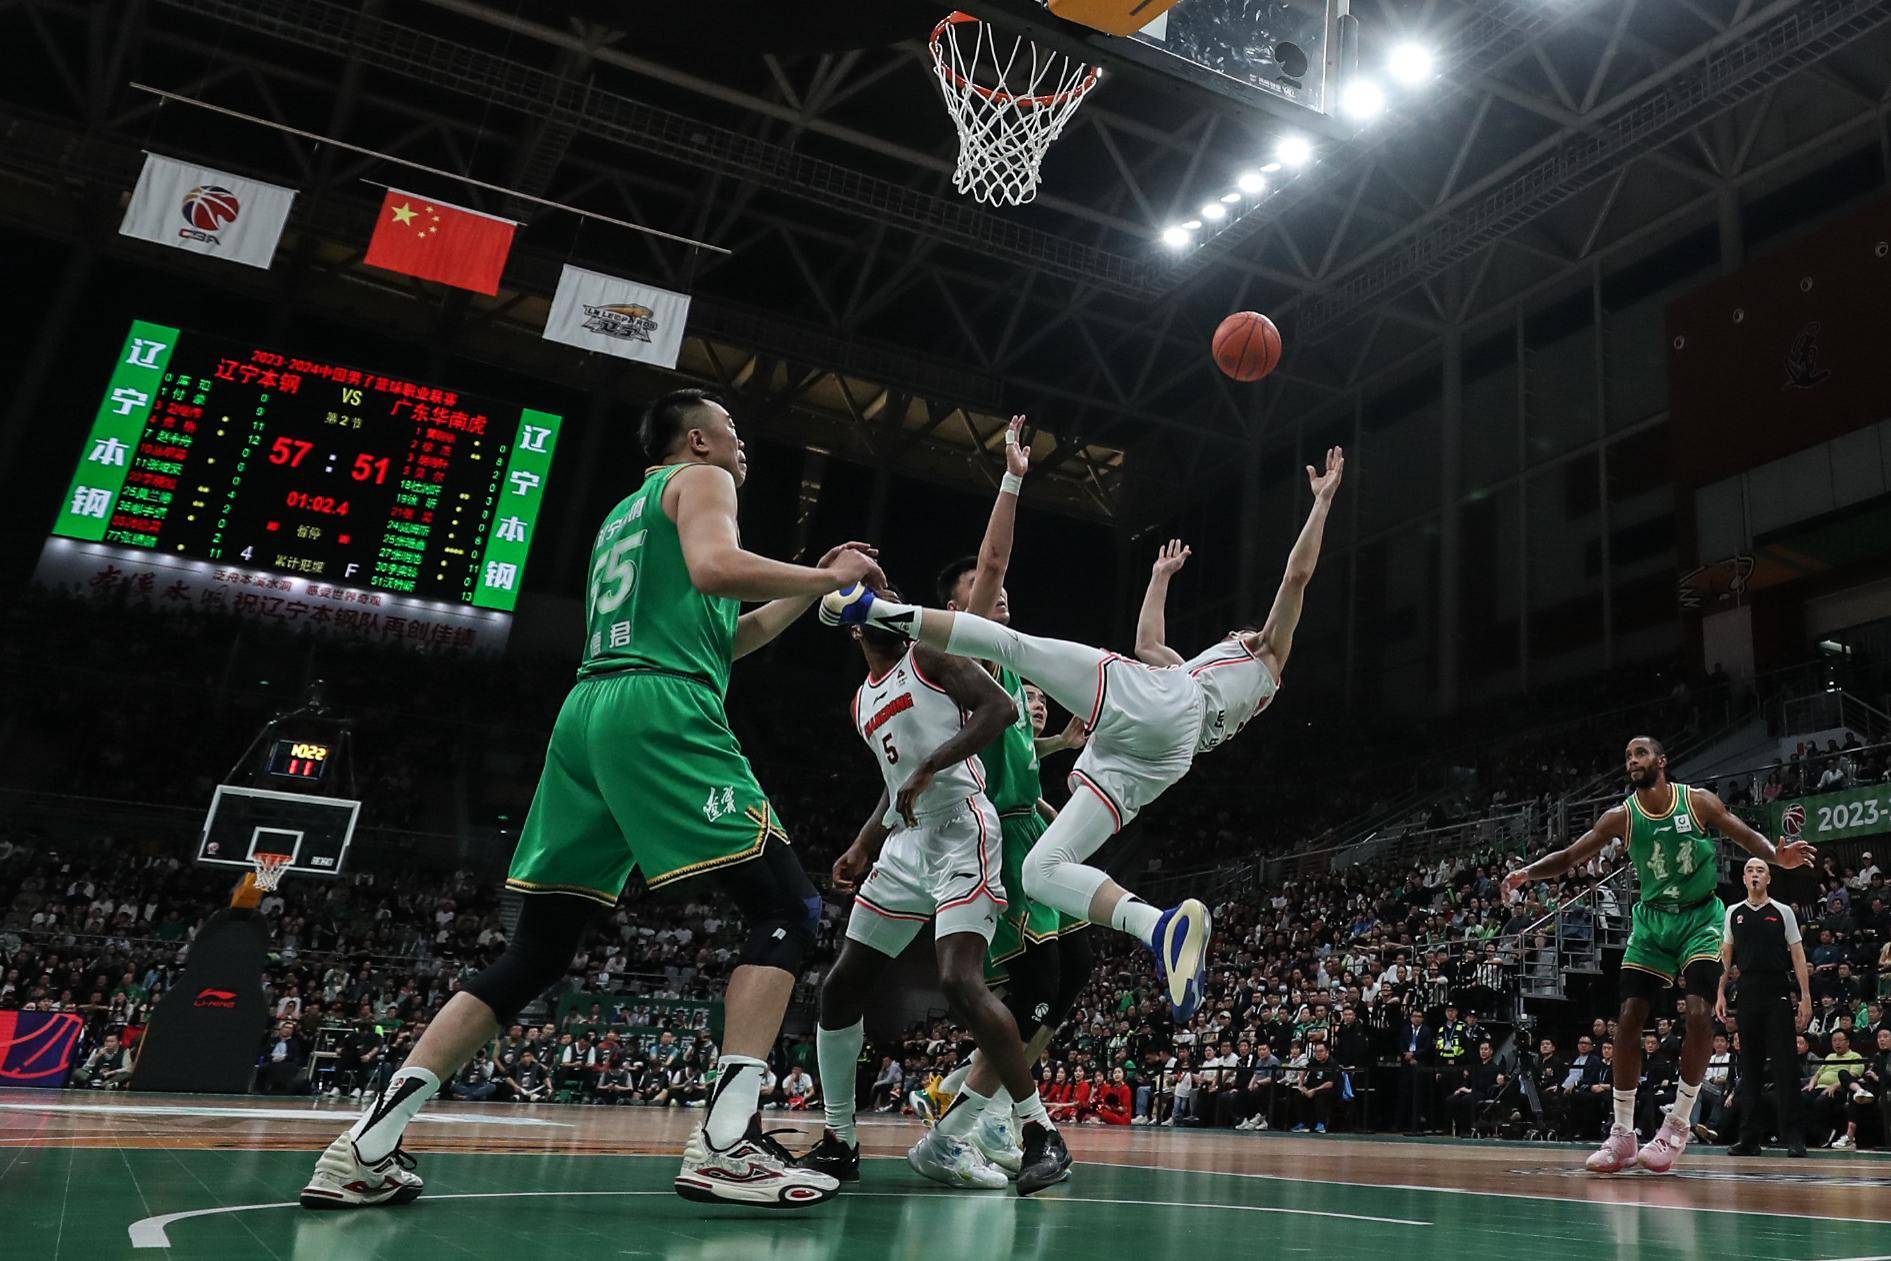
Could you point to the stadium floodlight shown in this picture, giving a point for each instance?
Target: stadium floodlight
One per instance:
(1192, 225)
(1177, 237)
(1363, 100)
(1294, 151)
(1228, 199)
(1214, 212)
(1250, 182)
(1410, 64)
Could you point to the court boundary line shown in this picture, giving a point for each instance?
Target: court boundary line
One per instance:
(153, 1232)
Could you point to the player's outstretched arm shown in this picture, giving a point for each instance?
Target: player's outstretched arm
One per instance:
(704, 511)
(994, 551)
(1275, 642)
(1612, 826)
(1152, 629)
(758, 628)
(988, 710)
(1712, 811)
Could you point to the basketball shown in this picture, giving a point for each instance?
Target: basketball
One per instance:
(1247, 346)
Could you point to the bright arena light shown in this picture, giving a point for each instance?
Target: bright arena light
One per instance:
(1363, 100)
(1193, 225)
(1294, 151)
(1250, 182)
(1228, 199)
(1214, 212)
(1176, 237)
(1410, 64)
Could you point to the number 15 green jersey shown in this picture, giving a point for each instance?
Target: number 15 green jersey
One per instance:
(641, 610)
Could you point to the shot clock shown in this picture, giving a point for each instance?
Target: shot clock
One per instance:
(226, 452)
(305, 760)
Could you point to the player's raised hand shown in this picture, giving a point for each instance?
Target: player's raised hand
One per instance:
(851, 867)
(1076, 735)
(1324, 484)
(916, 783)
(1170, 557)
(1796, 853)
(854, 562)
(1017, 448)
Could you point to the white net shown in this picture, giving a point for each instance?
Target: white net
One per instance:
(269, 869)
(1009, 100)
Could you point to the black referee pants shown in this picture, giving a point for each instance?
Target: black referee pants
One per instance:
(1766, 1046)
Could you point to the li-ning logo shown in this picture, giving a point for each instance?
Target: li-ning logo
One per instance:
(1802, 361)
(625, 320)
(215, 998)
(207, 208)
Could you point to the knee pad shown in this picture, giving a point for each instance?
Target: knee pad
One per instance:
(1031, 994)
(780, 905)
(550, 927)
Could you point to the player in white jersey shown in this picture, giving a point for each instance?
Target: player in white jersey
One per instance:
(932, 844)
(1147, 721)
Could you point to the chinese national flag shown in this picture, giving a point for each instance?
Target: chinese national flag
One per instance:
(435, 241)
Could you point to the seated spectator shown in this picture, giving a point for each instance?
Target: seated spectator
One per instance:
(107, 1068)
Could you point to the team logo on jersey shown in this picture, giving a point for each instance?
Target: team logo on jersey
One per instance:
(721, 801)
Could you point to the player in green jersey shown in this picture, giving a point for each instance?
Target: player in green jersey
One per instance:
(1040, 971)
(1676, 933)
(643, 771)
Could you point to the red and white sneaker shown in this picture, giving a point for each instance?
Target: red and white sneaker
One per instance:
(1666, 1146)
(1618, 1152)
(753, 1170)
(343, 1180)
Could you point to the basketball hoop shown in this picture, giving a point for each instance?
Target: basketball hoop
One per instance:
(1007, 102)
(269, 870)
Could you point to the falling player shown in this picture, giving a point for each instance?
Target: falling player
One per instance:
(1039, 972)
(1676, 933)
(1147, 722)
(932, 844)
(643, 771)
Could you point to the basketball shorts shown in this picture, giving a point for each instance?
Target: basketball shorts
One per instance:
(1664, 942)
(642, 771)
(948, 870)
(1024, 921)
(1148, 723)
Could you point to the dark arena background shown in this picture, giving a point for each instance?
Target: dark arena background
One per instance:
(329, 326)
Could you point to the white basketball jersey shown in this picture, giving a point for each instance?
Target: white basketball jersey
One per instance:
(903, 716)
(1238, 685)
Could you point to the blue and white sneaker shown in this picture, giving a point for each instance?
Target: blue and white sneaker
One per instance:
(1181, 946)
(846, 607)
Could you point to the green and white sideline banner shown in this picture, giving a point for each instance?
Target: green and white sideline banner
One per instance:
(1839, 816)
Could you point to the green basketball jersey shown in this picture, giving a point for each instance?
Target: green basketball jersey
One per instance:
(1010, 761)
(641, 610)
(1672, 853)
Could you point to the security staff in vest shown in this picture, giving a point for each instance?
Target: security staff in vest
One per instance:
(1762, 939)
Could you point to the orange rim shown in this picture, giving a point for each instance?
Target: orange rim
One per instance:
(998, 96)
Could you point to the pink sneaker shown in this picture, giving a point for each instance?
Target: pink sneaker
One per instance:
(1617, 1152)
(1666, 1146)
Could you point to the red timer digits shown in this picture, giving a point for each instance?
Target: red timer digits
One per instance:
(327, 505)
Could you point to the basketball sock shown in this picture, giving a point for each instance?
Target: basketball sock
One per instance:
(837, 1052)
(954, 1081)
(738, 1093)
(1684, 1096)
(1026, 1111)
(1137, 918)
(1625, 1108)
(1001, 1098)
(963, 1114)
(379, 1130)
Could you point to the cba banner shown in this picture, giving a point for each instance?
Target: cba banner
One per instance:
(1840, 816)
(37, 1047)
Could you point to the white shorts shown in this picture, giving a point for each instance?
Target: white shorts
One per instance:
(1144, 731)
(947, 869)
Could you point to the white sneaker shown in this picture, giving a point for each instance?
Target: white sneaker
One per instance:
(334, 1092)
(1844, 1143)
(356, 1093)
(1860, 1094)
(343, 1180)
(954, 1162)
(753, 1170)
(992, 1137)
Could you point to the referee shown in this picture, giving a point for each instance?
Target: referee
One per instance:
(1762, 939)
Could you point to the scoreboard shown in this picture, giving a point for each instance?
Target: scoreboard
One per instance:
(226, 452)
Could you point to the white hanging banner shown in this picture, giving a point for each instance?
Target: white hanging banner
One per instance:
(593, 311)
(207, 211)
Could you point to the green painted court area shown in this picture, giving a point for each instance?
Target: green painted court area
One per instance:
(76, 1203)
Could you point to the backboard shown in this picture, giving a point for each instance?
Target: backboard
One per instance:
(314, 831)
(1273, 47)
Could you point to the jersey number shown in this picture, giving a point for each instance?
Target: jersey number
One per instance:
(892, 754)
(615, 575)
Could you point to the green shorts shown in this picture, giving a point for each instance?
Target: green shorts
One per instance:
(1026, 923)
(642, 771)
(1664, 942)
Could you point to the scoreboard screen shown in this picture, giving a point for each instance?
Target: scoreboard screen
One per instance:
(227, 452)
(299, 759)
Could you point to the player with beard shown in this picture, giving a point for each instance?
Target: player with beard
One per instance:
(1678, 922)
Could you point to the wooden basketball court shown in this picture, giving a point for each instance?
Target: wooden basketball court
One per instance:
(92, 1175)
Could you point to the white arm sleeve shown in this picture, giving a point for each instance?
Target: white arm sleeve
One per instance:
(1792, 923)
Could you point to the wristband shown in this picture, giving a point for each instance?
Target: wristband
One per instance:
(1011, 485)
